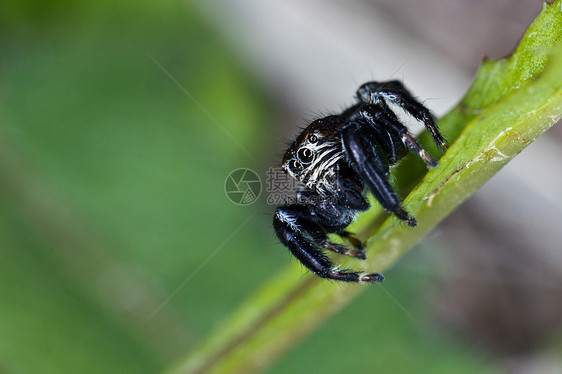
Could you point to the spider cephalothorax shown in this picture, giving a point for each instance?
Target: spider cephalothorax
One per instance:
(339, 157)
(313, 157)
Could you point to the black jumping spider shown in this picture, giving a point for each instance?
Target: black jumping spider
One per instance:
(336, 158)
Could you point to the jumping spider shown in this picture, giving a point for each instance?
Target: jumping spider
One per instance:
(336, 159)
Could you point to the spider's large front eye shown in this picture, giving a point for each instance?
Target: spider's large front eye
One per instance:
(295, 167)
(305, 155)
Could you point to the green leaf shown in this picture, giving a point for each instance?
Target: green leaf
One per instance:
(510, 103)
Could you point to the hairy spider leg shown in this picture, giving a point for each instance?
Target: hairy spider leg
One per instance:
(357, 244)
(305, 250)
(369, 162)
(342, 250)
(352, 239)
(395, 92)
(318, 221)
(304, 233)
(354, 201)
(375, 114)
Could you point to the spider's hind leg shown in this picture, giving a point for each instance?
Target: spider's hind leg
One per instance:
(395, 92)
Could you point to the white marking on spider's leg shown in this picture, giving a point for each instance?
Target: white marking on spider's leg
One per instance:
(288, 219)
(430, 161)
(411, 143)
(362, 278)
(370, 277)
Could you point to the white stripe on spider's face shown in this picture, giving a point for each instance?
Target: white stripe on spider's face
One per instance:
(319, 174)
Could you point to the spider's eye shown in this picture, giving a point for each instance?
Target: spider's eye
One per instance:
(295, 167)
(305, 155)
(313, 138)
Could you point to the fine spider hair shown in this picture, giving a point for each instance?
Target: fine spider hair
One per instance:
(338, 158)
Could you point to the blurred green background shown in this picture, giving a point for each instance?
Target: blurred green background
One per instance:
(111, 197)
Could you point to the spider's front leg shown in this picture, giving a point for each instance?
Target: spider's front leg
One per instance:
(369, 161)
(376, 114)
(299, 230)
(396, 93)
